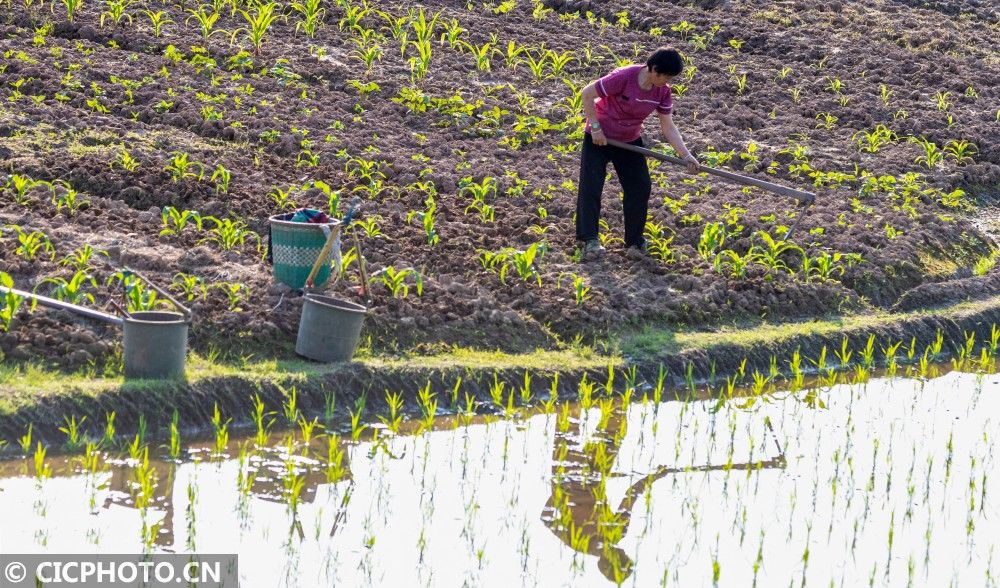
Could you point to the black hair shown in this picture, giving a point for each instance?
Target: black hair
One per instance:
(665, 61)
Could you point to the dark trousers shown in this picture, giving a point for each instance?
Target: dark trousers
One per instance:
(633, 175)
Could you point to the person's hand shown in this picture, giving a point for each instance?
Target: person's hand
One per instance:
(692, 163)
(598, 137)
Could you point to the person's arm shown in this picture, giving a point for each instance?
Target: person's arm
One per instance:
(589, 95)
(671, 134)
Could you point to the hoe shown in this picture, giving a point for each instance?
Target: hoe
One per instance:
(804, 199)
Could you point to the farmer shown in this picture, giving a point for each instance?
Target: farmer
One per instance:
(616, 106)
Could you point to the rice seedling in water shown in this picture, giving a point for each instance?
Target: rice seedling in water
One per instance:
(357, 427)
(585, 392)
(261, 421)
(25, 440)
(329, 406)
(42, 469)
(525, 392)
(394, 401)
(135, 448)
(428, 406)
(308, 429)
(221, 430)
(496, 390)
(290, 406)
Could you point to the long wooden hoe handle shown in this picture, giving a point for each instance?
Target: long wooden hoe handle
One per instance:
(802, 196)
(322, 255)
(329, 243)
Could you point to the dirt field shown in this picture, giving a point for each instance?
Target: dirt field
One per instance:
(889, 111)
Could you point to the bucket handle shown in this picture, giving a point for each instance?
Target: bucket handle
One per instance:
(162, 292)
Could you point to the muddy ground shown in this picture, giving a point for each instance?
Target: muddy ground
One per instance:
(305, 109)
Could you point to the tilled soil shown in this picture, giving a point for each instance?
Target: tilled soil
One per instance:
(304, 109)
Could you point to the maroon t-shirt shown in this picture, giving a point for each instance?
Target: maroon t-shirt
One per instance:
(622, 105)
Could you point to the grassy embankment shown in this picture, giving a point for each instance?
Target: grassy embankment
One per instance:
(31, 394)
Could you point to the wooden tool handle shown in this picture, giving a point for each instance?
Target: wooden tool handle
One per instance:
(800, 195)
(322, 255)
(361, 267)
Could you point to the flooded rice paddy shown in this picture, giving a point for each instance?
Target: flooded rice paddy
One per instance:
(884, 483)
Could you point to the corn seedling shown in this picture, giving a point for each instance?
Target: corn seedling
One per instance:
(221, 176)
(19, 186)
(117, 12)
(9, 302)
(157, 20)
(426, 219)
(181, 167)
(259, 19)
(312, 16)
(236, 294)
(229, 234)
(960, 152)
(72, 290)
(31, 244)
(206, 21)
(713, 236)
(932, 154)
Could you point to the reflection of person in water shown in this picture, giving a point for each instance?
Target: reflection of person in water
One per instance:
(579, 487)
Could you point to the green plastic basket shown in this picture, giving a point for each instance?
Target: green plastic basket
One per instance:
(295, 247)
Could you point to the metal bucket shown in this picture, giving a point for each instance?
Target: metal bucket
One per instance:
(329, 328)
(155, 345)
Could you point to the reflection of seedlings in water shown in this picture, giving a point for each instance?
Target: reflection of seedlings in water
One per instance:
(562, 419)
(189, 514)
(335, 469)
(175, 436)
(244, 477)
(91, 457)
(293, 484)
